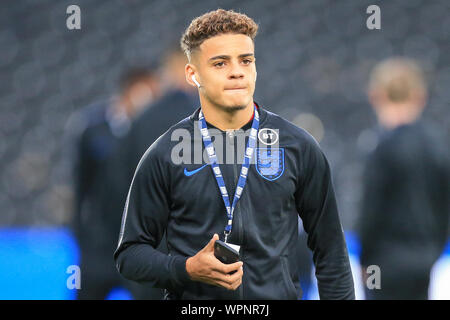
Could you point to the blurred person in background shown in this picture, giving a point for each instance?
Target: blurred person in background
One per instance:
(403, 224)
(102, 125)
(177, 102)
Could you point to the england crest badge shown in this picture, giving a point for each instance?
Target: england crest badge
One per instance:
(270, 163)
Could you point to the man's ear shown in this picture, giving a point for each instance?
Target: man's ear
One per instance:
(376, 98)
(190, 71)
(421, 97)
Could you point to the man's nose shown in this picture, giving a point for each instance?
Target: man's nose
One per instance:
(236, 73)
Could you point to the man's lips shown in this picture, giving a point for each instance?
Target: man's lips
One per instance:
(237, 88)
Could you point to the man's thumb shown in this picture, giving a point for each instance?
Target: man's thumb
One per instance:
(210, 246)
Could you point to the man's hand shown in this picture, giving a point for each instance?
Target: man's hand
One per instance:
(205, 267)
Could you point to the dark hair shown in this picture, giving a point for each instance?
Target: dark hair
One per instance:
(214, 23)
(134, 75)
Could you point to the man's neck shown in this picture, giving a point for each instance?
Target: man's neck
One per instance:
(395, 116)
(227, 120)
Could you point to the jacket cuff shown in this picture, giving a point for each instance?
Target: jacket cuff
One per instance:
(180, 273)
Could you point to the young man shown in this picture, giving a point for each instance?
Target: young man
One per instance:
(251, 199)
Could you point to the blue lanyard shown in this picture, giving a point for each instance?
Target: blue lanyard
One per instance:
(216, 169)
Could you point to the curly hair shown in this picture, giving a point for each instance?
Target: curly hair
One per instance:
(214, 23)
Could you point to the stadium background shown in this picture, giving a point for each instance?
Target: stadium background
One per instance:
(313, 61)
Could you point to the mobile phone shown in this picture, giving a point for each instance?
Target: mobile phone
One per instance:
(225, 252)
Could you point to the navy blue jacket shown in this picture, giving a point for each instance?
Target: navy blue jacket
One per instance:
(190, 209)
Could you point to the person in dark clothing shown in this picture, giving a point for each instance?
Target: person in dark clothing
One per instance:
(178, 101)
(404, 217)
(101, 126)
(175, 105)
(178, 192)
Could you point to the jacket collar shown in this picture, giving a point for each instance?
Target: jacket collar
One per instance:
(262, 116)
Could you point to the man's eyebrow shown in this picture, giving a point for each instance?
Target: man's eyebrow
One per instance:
(225, 57)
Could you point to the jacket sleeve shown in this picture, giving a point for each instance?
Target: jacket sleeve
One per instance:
(375, 179)
(316, 204)
(144, 222)
(83, 174)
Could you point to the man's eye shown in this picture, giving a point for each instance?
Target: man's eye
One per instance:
(219, 64)
(247, 61)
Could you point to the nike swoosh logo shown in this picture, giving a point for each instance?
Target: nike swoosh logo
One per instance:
(190, 173)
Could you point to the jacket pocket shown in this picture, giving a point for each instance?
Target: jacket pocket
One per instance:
(291, 289)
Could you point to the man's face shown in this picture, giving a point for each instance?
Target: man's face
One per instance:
(141, 94)
(225, 68)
